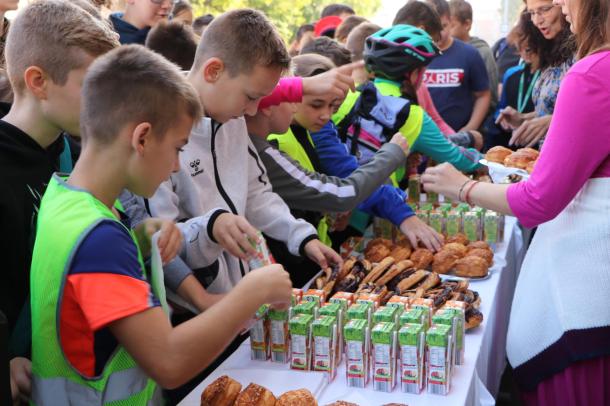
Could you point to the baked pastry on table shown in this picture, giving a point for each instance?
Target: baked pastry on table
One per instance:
(460, 238)
(530, 167)
(301, 397)
(223, 391)
(342, 403)
(472, 267)
(422, 258)
(402, 250)
(377, 249)
(474, 318)
(444, 261)
(255, 395)
(487, 255)
(498, 154)
(458, 249)
(478, 245)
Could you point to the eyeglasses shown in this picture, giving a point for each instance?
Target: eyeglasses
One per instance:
(171, 2)
(541, 12)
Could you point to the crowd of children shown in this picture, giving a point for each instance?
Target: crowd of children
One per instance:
(152, 131)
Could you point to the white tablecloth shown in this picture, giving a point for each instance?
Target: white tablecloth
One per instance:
(474, 383)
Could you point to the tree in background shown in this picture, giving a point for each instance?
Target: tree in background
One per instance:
(287, 15)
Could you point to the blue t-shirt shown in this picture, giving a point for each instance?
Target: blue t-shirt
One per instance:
(452, 78)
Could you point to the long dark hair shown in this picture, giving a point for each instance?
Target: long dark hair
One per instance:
(552, 52)
(592, 26)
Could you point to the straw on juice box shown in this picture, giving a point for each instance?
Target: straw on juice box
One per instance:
(357, 339)
(259, 335)
(384, 338)
(335, 310)
(297, 296)
(438, 368)
(459, 309)
(280, 339)
(412, 340)
(300, 337)
(325, 338)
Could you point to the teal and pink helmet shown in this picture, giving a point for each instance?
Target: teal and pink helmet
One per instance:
(392, 53)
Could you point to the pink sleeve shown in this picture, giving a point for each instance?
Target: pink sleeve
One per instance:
(426, 103)
(577, 148)
(288, 90)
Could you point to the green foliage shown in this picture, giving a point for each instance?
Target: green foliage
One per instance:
(287, 15)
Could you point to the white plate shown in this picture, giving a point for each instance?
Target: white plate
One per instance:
(499, 172)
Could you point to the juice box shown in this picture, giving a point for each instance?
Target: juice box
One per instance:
(426, 207)
(280, 339)
(386, 314)
(427, 305)
(335, 310)
(412, 339)
(263, 256)
(259, 335)
(383, 228)
(325, 340)
(423, 215)
(399, 302)
(315, 295)
(459, 309)
(345, 299)
(358, 342)
(501, 224)
(463, 208)
(414, 189)
(446, 317)
(445, 208)
(472, 226)
(371, 299)
(414, 316)
(384, 338)
(438, 368)
(453, 223)
(480, 211)
(360, 311)
(297, 296)
(300, 337)
(490, 227)
(436, 221)
(432, 197)
(310, 308)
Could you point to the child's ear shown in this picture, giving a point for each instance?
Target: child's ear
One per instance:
(265, 112)
(140, 136)
(36, 81)
(213, 69)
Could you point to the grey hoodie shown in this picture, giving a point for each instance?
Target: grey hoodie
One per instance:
(490, 66)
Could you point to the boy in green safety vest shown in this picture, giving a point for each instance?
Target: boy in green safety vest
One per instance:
(100, 335)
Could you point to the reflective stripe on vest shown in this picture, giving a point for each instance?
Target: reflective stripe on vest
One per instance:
(289, 144)
(121, 385)
(65, 218)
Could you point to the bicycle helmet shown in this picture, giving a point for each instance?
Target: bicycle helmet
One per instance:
(392, 53)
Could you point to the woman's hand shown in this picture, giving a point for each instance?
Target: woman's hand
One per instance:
(531, 131)
(444, 179)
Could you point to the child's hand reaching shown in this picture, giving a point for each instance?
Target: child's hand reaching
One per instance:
(232, 232)
(401, 141)
(170, 240)
(416, 230)
(337, 82)
(321, 254)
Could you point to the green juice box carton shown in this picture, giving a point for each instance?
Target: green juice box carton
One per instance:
(259, 335)
(423, 215)
(304, 307)
(336, 310)
(427, 305)
(386, 314)
(345, 299)
(301, 342)
(414, 188)
(437, 221)
(445, 208)
(446, 317)
(401, 304)
(453, 223)
(357, 352)
(412, 340)
(315, 295)
(384, 338)
(480, 211)
(325, 340)
(491, 228)
(463, 208)
(432, 197)
(438, 359)
(414, 316)
(459, 318)
(280, 339)
(472, 226)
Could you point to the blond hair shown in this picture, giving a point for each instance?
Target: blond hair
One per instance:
(53, 35)
(242, 39)
(132, 84)
(307, 65)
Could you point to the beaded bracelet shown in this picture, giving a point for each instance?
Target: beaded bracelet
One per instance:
(459, 196)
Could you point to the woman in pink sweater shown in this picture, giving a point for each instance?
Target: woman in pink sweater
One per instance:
(559, 332)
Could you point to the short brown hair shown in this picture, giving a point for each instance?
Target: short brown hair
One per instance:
(132, 84)
(49, 34)
(175, 41)
(311, 65)
(329, 48)
(420, 14)
(461, 10)
(356, 38)
(347, 26)
(242, 39)
(592, 25)
(441, 7)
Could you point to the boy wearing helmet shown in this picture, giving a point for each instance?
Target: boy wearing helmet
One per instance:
(398, 57)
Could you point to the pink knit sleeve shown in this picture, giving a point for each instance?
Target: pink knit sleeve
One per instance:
(576, 149)
(426, 103)
(288, 90)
